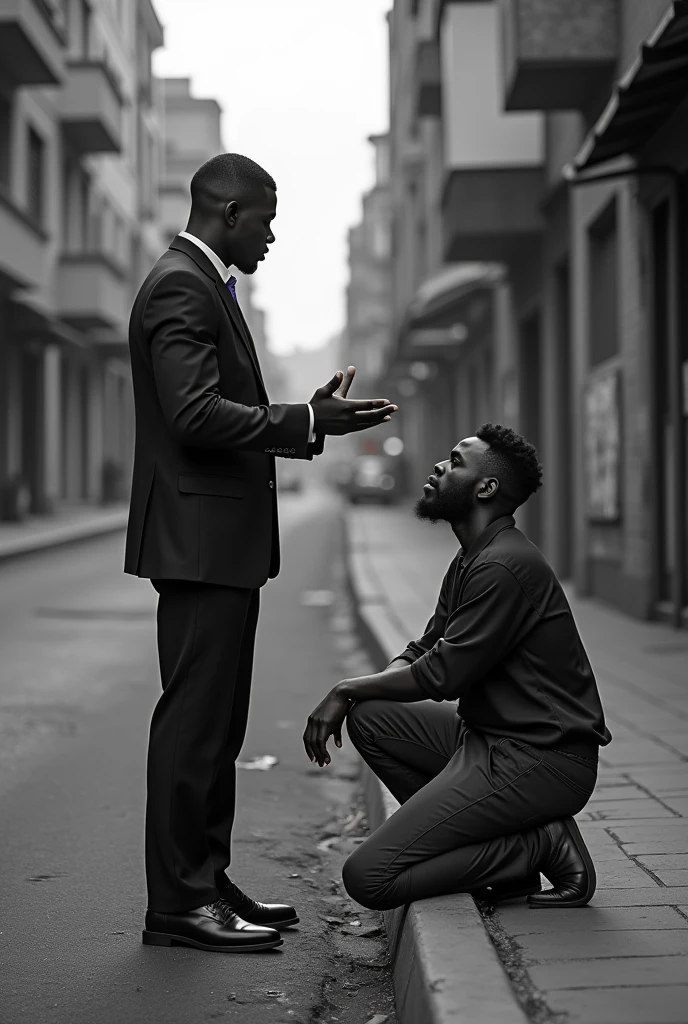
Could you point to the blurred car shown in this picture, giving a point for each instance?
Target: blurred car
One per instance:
(373, 478)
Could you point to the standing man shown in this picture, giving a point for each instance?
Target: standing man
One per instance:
(203, 528)
(487, 789)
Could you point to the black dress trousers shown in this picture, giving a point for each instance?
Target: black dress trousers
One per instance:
(206, 637)
(470, 804)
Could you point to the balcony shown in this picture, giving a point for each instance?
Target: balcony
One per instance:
(428, 79)
(93, 292)
(492, 214)
(494, 173)
(31, 43)
(91, 108)
(22, 254)
(556, 54)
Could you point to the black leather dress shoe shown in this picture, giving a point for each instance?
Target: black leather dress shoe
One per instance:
(214, 927)
(269, 915)
(568, 867)
(509, 891)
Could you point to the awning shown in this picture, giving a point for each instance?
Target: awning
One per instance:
(646, 95)
(435, 302)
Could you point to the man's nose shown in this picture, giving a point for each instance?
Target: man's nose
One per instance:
(439, 469)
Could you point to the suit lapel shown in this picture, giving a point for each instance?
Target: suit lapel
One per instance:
(204, 264)
(240, 325)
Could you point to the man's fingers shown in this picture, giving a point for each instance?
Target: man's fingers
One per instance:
(374, 415)
(320, 745)
(362, 404)
(337, 734)
(343, 391)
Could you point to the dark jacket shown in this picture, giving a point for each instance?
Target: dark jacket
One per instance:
(203, 499)
(503, 641)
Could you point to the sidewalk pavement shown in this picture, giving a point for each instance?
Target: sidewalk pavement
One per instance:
(67, 525)
(624, 958)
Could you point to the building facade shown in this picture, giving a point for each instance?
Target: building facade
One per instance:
(525, 291)
(79, 158)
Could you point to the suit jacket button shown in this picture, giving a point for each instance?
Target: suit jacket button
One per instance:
(271, 484)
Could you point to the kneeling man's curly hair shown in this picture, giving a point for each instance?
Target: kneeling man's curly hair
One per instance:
(513, 460)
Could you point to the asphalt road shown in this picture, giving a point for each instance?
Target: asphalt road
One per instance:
(78, 681)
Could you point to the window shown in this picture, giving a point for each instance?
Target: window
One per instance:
(5, 141)
(36, 177)
(603, 269)
(86, 18)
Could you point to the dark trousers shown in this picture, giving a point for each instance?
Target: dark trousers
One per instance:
(469, 804)
(206, 637)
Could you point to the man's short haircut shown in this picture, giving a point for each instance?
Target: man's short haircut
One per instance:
(229, 176)
(513, 460)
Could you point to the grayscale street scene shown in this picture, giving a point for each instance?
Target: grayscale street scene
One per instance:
(343, 512)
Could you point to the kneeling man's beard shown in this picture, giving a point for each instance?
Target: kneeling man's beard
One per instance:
(434, 511)
(443, 508)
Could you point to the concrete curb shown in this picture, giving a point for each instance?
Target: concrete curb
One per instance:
(445, 968)
(57, 534)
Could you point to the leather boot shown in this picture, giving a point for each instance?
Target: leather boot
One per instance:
(568, 866)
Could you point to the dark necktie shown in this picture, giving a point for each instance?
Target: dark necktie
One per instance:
(231, 284)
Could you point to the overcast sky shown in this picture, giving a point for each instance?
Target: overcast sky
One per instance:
(302, 83)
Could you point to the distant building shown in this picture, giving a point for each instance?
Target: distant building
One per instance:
(79, 159)
(557, 309)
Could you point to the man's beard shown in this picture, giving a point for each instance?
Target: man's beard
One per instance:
(443, 509)
(247, 268)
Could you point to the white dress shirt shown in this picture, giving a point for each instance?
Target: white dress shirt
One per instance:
(224, 273)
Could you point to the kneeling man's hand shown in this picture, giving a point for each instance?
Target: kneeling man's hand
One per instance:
(325, 721)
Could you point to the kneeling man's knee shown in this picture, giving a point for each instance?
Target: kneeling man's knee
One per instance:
(364, 883)
(360, 720)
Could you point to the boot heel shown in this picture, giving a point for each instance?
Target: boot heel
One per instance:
(156, 939)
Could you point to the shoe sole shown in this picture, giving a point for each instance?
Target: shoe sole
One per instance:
(584, 853)
(166, 939)
(491, 897)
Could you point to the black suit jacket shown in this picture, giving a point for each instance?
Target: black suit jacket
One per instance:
(203, 499)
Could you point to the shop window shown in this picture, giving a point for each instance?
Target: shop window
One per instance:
(604, 286)
(36, 177)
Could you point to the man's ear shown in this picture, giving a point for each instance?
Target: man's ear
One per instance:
(488, 488)
(231, 213)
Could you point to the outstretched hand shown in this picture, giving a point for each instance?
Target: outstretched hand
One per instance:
(325, 721)
(334, 413)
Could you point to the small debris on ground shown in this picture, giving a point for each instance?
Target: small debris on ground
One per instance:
(259, 763)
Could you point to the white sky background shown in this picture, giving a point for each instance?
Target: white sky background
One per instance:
(302, 83)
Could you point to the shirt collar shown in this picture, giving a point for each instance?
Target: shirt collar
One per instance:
(222, 270)
(485, 538)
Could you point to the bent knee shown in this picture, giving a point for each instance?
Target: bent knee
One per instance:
(361, 717)
(365, 884)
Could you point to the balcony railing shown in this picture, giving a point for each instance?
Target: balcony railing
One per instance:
(93, 292)
(556, 53)
(91, 108)
(31, 43)
(22, 253)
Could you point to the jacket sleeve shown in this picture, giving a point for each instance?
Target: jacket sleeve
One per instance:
(435, 627)
(493, 617)
(180, 324)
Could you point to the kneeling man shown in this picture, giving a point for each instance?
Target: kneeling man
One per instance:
(487, 789)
